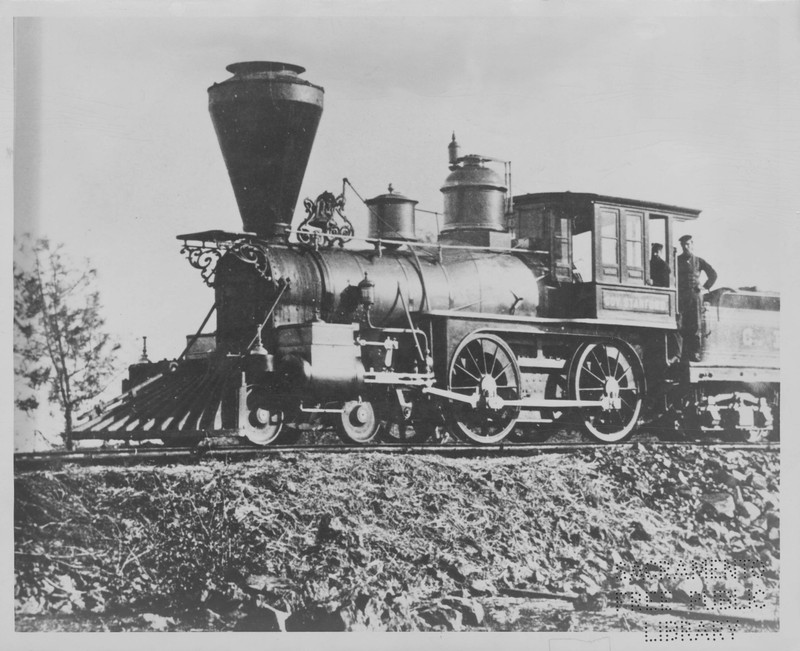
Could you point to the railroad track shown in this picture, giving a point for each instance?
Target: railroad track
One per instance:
(28, 461)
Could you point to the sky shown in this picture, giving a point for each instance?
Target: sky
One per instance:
(693, 104)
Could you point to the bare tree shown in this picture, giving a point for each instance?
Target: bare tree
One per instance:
(59, 338)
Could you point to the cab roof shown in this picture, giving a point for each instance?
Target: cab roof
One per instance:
(587, 198)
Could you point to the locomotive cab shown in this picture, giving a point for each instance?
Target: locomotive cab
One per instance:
(597, 248)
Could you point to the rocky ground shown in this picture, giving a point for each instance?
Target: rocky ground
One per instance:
(642, 538)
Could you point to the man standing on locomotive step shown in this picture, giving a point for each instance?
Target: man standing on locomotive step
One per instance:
(690, 296)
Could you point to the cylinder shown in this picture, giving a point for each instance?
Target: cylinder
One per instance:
(343, 380)
(474, 198)
(266, 118)
(392, 217)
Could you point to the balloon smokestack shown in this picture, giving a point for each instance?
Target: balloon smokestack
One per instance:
(266, 118)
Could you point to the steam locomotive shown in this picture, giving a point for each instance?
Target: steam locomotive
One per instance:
(529, 312)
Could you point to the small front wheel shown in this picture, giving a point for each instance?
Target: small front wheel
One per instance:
(264, 426)
(357, 423)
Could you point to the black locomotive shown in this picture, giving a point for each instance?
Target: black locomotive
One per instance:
(528, 311)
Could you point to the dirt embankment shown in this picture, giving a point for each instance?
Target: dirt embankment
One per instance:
(376, 542)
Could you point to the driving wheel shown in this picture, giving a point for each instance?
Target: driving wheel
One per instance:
(612, 374)
(484, 369)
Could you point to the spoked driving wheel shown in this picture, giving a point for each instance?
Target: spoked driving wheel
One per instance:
(485, 370)
(611, 374)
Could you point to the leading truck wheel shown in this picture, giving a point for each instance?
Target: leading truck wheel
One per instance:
(358, 423)
(612, 374)
(483, 368)
(263, 426)
(260, 421)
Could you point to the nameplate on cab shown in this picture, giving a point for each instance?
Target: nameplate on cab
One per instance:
(628, 301)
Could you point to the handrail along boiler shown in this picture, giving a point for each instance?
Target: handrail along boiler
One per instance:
(527, 312)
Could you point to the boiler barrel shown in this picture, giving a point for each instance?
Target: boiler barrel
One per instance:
(468, 281)
(325, 284)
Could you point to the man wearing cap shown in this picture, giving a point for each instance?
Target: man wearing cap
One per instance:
(690, 295)
(659, 269)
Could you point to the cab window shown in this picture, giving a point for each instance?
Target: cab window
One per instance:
(582, 255)
(609, 244)
(657, 233)
(561, 257)
(634, 247)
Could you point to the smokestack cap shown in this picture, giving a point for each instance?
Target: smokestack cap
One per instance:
(255, 67)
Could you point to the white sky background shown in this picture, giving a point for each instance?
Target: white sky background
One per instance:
(691, 104)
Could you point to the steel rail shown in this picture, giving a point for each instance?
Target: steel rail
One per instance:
(25, 461)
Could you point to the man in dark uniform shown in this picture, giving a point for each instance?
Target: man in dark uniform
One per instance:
(659, 269)
(690, 296)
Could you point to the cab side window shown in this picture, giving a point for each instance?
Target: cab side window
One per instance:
(634, 248)
(561, 255)
(609, 244)
(582, 255)
(658, 233)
